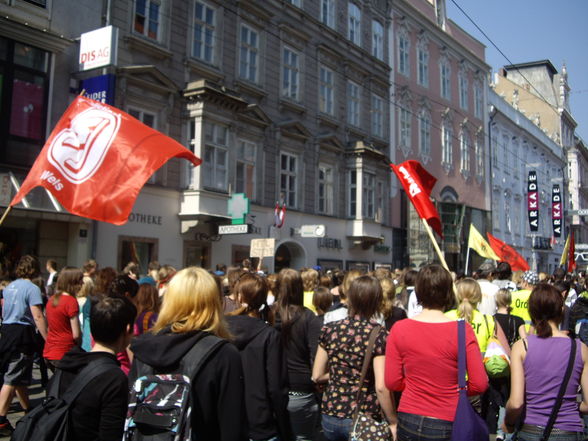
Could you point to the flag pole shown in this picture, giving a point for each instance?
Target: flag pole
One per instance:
(5, 214)
(435, 244)
(467, 261)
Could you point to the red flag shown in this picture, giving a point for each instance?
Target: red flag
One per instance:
(508, 254)
(97, 159)
(572, 254)
(418, 183)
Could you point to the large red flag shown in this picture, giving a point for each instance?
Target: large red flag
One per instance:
(572, 254)
(97, 159)
(508, 254)
(418, 183)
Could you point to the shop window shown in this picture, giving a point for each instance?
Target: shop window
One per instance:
(140, 250)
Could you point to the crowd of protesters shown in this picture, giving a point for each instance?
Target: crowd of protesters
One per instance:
(297, 344)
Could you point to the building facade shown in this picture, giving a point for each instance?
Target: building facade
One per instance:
(439, 85)
(520, 149)
(285, 101)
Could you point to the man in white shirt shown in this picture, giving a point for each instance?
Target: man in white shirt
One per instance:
(488, 303)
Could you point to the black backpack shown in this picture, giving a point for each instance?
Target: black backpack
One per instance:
(160, 404)
(50, 420)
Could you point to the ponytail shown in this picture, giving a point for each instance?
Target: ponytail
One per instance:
(469, 295)
(465, 310)
(542, 328)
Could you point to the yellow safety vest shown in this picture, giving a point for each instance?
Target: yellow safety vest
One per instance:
(520, 306)
(482, 324)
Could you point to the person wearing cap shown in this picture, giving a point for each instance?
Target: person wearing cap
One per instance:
(520, 299)
(488, 303)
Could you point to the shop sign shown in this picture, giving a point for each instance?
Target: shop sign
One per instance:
(533, 201)
(98, 48)
(262, 248)
(556, 210)
(149, 219)
(100, 88)
(382, 249)
(327, 242)
(233, 229)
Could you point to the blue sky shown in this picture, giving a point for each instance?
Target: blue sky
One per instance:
(531, 30)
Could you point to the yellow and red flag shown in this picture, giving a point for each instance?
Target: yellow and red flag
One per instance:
(477, 243)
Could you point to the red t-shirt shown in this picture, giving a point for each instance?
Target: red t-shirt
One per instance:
(59, 336)
(421, 361)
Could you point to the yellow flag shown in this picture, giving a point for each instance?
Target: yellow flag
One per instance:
(564, 254)
(479, 244)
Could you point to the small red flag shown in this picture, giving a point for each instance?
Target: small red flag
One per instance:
(418, 183)
(572, 254)
(97, 159)
(508, 254)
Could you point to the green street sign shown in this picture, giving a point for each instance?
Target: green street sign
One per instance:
(238, 208)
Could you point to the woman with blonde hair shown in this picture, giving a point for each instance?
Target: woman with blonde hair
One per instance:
(469, 294)
(191, 312)
(310, 281)
(391, 309)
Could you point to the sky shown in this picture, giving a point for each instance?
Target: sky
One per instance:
(532, 30)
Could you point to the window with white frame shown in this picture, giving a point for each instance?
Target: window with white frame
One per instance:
(149, 120)
(445, 74)
(405, 117)
(504, 150)
(380, 202)
(216, 156)
(290, 73)
(368, 202)
(494, 146)
(496, 210)
(423, 65)
(328, 13)
(325, 189)
(425, 133)
(147, 18)
(352, 193)
(403, 53)
(288, 178)
(377, 40)
(515, 157)
(465, 144)
(203, 45)
(478, 100)
(463, 90)
(326, 90)
(249, 54)
(354, 24)
(245, 168)
(447, 145)
(377, 116)
(353, 102)
(480, 157)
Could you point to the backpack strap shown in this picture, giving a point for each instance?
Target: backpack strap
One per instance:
(146, 318)
(83, 378)
(200, 352)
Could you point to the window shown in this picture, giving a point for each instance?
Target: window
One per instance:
(463, 90)
(328, 13)
(377, 40)
(445, 71)
(377, 116)
(248, 62)
(149, 120)
(204, 32)
(480, 157)
(325, 190)
(214, 170)
(353, 103)
(465, 153)
(288, 173)
(326, 90)
(494, 146)
(245, 169)
(447, 146)
(380, 202)
(423, 65)
(425, 134)
(478, 101)
(368, 195)
(291, 71)
(405, 127)
(354, 23)
(297, 3)
(504, 150)
(403, 54)
(353, 193)
(147, 18)
(39, 3)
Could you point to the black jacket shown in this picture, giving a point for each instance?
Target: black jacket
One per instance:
(266, 377)
(218, 411)
(99, 411)
(301, 348)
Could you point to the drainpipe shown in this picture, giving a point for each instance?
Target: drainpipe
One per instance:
(491, 115)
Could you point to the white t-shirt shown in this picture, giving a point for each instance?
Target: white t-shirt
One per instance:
(488, 303)
(414, 308)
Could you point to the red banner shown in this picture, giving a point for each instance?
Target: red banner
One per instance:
(508, 254)
(418, 183)
(97, 159)
(572, 254)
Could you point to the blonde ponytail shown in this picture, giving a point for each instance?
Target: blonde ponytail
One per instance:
(469, 295)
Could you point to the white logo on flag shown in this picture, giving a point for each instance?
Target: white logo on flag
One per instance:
(78, 150)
